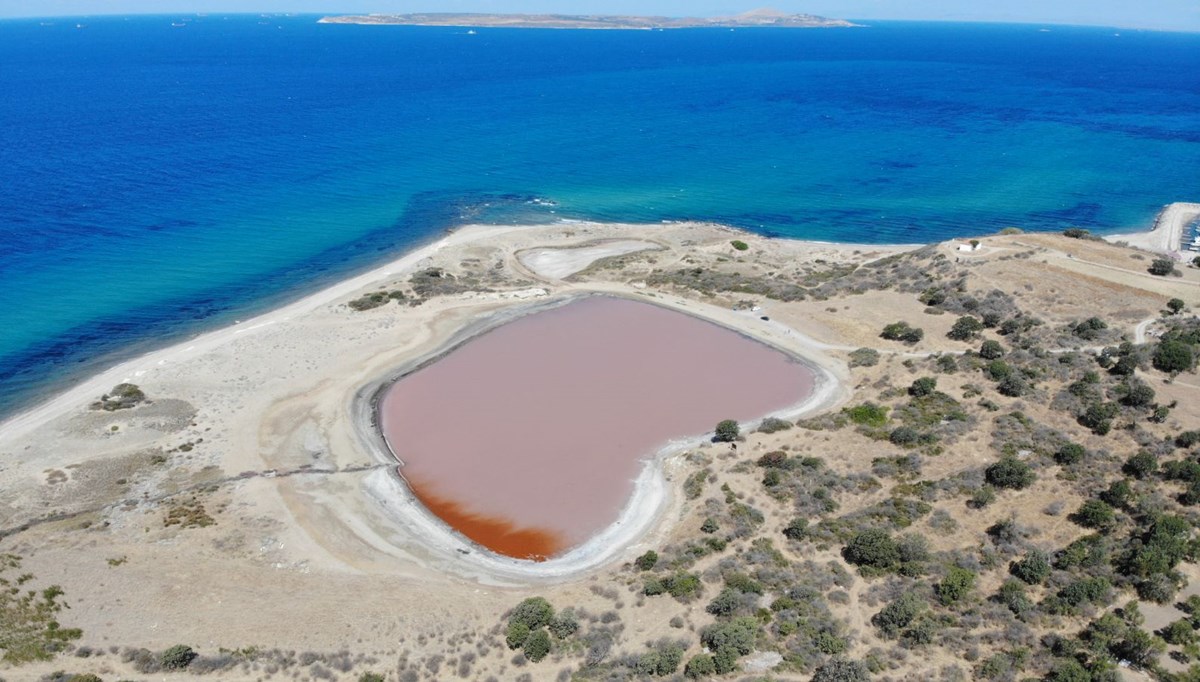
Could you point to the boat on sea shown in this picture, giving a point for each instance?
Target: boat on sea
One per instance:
(472, 32)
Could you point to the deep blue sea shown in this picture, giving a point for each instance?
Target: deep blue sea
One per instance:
(157, 180)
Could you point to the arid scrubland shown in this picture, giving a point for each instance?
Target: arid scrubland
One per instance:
(1007, 490)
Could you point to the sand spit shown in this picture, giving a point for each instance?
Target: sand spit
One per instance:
(1167, 234)
(291, 391)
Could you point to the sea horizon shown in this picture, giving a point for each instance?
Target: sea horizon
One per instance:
(163, 181)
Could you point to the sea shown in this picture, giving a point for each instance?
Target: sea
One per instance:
(164, 175)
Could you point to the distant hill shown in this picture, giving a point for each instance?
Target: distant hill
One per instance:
(754, 19)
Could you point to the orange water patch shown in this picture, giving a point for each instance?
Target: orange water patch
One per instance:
(499, 535)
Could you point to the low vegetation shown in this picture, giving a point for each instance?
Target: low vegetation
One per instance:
(29, 627)
(121, 397)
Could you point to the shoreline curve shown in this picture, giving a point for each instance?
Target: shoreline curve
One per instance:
(648, 503)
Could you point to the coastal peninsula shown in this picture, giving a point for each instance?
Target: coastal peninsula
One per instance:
(995, 462)
(763, 18)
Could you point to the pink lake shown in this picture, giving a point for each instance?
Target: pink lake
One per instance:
(528, 438)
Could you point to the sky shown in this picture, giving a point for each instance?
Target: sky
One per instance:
(1176, 15)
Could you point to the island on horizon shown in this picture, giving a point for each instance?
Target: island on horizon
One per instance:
(760, 18)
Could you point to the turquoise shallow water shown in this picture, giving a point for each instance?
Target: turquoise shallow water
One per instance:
(157, 180)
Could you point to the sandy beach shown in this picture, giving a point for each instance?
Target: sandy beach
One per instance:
(1168, 233)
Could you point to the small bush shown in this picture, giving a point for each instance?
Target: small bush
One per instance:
(991, 350)
(864, 357)
(902, 331)
(796, 529)
(1033, 569)
(1011, 473)
(700, 666)
(1173, 356)
(923, 387)
(533, 613)
(564, 624)
(956, 585)
(1069, 453)
(874, 549)
(1162, 267)
(774, 425)
(898, 614)
(739, 245)
(727, 431)
(841, 670)
(965, 328)
(537, 646)
(177, 657)
(646, 561)
(1094, 514)
(868, 414)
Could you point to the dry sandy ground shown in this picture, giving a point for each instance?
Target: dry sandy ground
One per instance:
(558, 263)
(315, 546)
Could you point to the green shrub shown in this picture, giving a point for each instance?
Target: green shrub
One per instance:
(725, 603)
(700, 666)
(1180, 632)
(1012, 596)
(1162, 267)
(1173, 356)
(29, 629)
(774, 425)
(1068, 670)
(956, 585)
(873, 549)
(902, 331)
(1069, 453)
(1010, 472)
(646, 561)
(516, 634)
(868, 414)
(1094, 514)
(923, 387)
(998, 370)
(864, 357)
(1141, 465)
(177, 657)
(1098, 417)
(991, 350)
(1089, 329)
(1176, 305)
(739, 245)
(537, 645)
(727, 431)
(1118, 494)
(841, 670)
(564, 624)
(965, 328)
(796, 529)
(533, 613)
(1034, 568)
(682, 585)
(737, 635)
(899, 614)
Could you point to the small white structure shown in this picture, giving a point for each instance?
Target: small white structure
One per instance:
(969, 247)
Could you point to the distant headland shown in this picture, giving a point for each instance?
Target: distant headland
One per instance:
(768, 18)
